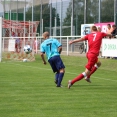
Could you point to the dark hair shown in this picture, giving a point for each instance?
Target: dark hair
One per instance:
(108, 25)
(94, 28)
(114, 25)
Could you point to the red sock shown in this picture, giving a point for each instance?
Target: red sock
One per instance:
(81, 76)
(92, 71)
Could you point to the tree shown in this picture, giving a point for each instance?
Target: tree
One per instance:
(107, 11)
(45, 15)
(92, 8)
(92, 13)
(77, 16)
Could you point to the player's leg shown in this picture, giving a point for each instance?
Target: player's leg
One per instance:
(54, 70)
(94, 68)
(16, 46)
(60, 78)
(60, 66)
(78, 78)
(56, 77)
(91, 61)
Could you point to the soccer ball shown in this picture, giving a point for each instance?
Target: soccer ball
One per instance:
(27, 49)
(24, 60)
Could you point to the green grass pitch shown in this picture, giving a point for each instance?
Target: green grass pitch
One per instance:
(28, 90)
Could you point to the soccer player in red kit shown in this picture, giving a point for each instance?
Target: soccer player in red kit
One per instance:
(94, 42)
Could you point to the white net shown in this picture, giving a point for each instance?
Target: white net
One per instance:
(15, 35)
(21, 28)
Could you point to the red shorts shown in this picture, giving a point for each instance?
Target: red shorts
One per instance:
(92, 59)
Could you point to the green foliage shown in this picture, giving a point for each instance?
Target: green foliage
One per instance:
(27, 89)
(107, 11)
(78, 17)
(45, 15)
(92, 12)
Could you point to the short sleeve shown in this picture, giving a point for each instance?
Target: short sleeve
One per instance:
(58, 43)
(86, 37)
(41, 48)
(104, 34)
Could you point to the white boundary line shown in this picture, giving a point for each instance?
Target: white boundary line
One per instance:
(25, 65)
(65, 72)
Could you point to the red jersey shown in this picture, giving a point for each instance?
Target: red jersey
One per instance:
(94, 41)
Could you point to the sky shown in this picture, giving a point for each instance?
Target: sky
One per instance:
(65, 4)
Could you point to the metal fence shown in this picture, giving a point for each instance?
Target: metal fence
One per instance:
(64, 40)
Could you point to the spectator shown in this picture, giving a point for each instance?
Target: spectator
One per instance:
(35, 45)
(109, 30)
(114, 32)
(17, 42)
(100, 53)
(99, 29)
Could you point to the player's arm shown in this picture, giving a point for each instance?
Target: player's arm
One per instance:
(60, 49)
(58, 44)
(43, 58)
(110, 35)
(77, 40)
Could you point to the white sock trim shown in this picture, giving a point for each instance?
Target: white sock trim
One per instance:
(84, 74)
(96, 65)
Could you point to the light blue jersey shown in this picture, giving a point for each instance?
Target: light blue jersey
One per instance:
(50, 47)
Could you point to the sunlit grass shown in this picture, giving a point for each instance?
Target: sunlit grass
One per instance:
(28, 90)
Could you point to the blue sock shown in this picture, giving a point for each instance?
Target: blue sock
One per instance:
(56, 77)
(60, 79)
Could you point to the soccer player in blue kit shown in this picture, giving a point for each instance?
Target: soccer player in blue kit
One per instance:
(52, 48)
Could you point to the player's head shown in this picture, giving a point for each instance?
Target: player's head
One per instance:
(108, 26)
(13, 33)
(99, 29)
(114, 26)
(93, 28)
(46, 35)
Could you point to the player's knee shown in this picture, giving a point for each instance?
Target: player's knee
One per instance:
(86, 73)
(98, 63)
(62, 70)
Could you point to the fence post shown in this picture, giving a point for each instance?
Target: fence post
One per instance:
(67, 46)
(0, 39)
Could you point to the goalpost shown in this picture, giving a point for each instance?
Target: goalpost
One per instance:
(0, 39)
(23, 31)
